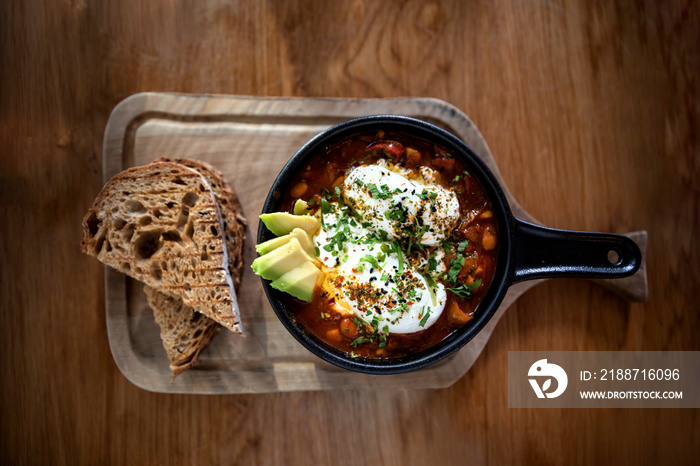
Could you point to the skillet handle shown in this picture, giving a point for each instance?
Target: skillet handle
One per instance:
(542, 252)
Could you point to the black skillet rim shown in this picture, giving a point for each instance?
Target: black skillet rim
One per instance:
(504, 269)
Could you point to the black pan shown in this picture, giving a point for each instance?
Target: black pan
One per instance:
(526, 251)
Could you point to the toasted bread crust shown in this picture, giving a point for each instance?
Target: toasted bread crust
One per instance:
(231, 213)
(184, 332)
(160, 224)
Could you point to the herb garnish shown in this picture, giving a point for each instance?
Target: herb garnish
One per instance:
(456, 265)
(464, 291)
(383, 193)
(425, 317)
(371, 260)
(358, 341)
(431, 287)
(396, 247)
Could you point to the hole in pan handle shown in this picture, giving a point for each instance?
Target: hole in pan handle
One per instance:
(542, 252)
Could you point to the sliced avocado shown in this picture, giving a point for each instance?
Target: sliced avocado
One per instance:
(303, 237)
(300, 207)
(305, 240)
(300, 282)
(279, 261)
(281, 223)
(274, 243)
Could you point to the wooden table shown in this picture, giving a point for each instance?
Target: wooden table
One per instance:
(591, 111)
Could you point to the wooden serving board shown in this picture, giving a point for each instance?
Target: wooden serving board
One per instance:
(250, 139)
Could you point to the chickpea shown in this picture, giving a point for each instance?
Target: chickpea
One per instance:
(456, 316)
(334, 335)
(339, 181)
(488, 240)
(413, 157)
(348, 328)
(298, 189)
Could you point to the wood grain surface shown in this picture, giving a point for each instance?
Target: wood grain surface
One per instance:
(591, 109)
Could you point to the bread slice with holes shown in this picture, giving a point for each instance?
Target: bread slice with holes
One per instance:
(234, 222)
(183, 331)
(160, 224)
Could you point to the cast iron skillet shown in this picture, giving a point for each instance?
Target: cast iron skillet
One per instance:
(526, 251)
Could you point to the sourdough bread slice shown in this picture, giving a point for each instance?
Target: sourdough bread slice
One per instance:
(231, 213)
(183, 331)
(160, 224)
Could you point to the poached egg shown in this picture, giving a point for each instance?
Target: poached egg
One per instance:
(365, 242)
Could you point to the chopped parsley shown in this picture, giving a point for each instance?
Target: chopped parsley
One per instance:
(425, 317)
(325, 206)
(382, 192)
(456, 265)
(397, 213)
(464, 291)
(359, 340)
(432, 263)
(416, 236)
(396, 247)
(400, 308)
(371, 260)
